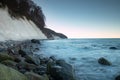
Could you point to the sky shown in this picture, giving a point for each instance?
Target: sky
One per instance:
(83, 18)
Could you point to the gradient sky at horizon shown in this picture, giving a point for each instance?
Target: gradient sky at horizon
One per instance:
(83, 18)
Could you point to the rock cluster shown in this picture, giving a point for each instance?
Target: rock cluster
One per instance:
(20, 62)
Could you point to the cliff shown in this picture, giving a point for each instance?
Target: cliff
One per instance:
(23, 19)
(53, 35)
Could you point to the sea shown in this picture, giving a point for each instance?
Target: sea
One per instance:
(83, 55)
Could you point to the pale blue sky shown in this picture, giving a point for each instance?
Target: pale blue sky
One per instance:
(83, 18)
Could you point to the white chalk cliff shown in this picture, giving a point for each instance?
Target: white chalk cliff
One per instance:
(23, 19)
(17, 29)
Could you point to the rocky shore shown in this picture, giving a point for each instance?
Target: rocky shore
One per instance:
(19, 60)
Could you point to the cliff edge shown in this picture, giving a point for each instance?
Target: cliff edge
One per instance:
(23, 19)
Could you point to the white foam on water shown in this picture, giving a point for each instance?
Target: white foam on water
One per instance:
(83, 55)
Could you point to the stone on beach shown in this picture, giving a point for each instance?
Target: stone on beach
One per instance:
(113, 48)
(61, 70)
(104, 61)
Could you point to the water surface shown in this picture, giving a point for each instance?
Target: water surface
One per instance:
(83, 54)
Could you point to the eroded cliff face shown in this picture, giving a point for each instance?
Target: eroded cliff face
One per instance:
(23, 19)
(20, 8)
(18, 29)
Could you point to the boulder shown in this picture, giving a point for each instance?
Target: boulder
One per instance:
(26, 66)
(29, 59)
(33, 76)
(53, 58)
(17, 59)
(5, 56)
(49, 66)
(35, 41)
(61, 70)
(117, 77)
(22, 70)
(10, 51)
(40, 70)
(113, 48)
(7, 73)
(103, 61)
(22, 53)
(44, 61)
(33, 58)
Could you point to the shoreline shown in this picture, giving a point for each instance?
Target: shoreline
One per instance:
(25, 60)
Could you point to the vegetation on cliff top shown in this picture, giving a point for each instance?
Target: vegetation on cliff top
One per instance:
(20, 8)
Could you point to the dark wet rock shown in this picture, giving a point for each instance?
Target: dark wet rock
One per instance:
(35, 41)
(33, 76)
(44, 60)
(29, 59)
(22, 70)
(38, 64)
(26, 66)
(36, 49)
(5, 56)
(40, 70)
(17, 59)
(61, 70)
(22, 53)
(113, 48)
(55, 72)
(104, 61)
(49, 65)
(10, 51)
(117, 77)
(36, 59)
(53, 58)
